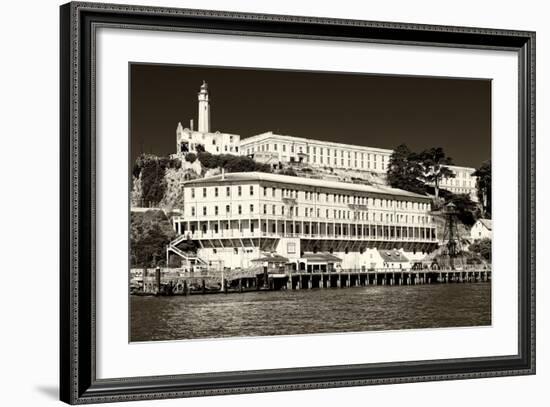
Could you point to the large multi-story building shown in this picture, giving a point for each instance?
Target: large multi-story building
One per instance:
(463, 182)
(276, 148)
(237, 219)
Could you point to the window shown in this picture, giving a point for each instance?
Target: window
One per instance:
(204, 210)
(193, 211)
(204, 192)
(251, 190)
(240, 210)
(265, 191)
(251, 208)
(216, 192)
(215, 210)
(227, 208)
(192, 192)
(265, 209)
(240, 190)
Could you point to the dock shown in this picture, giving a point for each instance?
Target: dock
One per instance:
(210, 282)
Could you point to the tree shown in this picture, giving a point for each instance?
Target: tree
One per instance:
(404, 170)
(150, 232)
(482, 248)
(483, 186)
(466, 210)
(434, 163)
(153, 183)
(190, 157)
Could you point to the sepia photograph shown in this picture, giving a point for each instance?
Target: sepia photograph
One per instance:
(282, 202)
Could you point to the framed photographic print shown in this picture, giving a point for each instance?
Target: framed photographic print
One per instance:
(256, 203)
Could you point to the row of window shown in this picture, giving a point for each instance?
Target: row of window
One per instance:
(316, 155)
(316, 197)
(321, 151)
(228, 150)
(203, 136)
(338, 230)
(456, 182)
(316, 212)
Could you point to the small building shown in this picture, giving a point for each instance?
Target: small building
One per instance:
(482, 229)
(394, 259)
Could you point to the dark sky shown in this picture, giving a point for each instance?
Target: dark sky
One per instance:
(370, 110)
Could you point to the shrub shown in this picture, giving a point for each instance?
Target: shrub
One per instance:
(231, 163)
(191, 157)
(482, 248)
(289, 171)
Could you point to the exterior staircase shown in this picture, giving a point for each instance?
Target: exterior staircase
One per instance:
(189, 257)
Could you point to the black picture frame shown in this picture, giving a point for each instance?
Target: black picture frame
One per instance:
(78, 382)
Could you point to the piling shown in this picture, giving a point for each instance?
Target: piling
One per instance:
(157, 280)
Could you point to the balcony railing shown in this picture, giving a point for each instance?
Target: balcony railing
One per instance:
(246, 234)
(297, 219)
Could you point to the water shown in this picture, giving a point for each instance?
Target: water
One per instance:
(310, 311)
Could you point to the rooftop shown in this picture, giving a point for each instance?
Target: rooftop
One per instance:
(333, 144)
(392, 256)
(302, 181)
(488, 223)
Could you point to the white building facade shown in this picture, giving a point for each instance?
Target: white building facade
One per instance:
(273, 148)
(237, 218)
(482, 229)
(463, 182)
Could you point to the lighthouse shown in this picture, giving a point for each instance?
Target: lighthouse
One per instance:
(204, 109)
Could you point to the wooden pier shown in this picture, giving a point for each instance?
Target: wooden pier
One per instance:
(157, 283)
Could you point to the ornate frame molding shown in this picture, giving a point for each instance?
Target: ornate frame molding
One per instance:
(78, 380)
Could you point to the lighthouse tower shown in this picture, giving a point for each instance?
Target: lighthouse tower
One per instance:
(204, 109)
